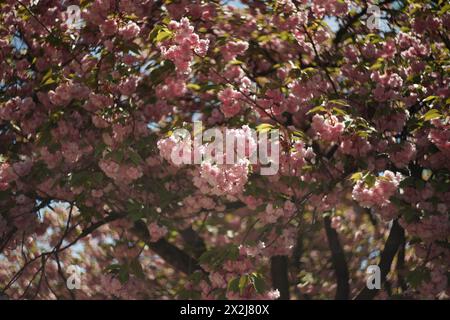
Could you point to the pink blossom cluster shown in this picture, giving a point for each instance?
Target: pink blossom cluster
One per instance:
(322, 7)
(355, 146)
(378, 195)
(51, 159)
(394, 122)
(176, 151)
(6, 176)
(123, 173)
(98, 101)
(441, 136)
(430, 228)
(275, 103)
(23, 167)
(183, 45)
(109, 28)
(195, 203)
(388, 85)
(219, 279)
(281, 244)
(402, 157)
(16, 108)
(156, 231)
(232, 49)
(271, 214)
(436, 284)
(411, 46)
(67, 92)
(216, 175)
(171, 88)
(305, 90)
(128, 86)
(71, 152)
(113, 288)
(129, 31)
(292, 162)
(223, 179)
(232, 102)
(329, 129)
(252, 251)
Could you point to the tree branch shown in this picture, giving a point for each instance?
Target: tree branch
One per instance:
(174, 256)
(279, 272)
(338, 260)
(193, 241)
(395, 239)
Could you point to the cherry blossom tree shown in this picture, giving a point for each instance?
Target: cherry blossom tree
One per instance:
(88, 110)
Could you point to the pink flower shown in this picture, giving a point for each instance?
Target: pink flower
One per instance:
(97, 193)
(273, 294)
(128, 87)
(156, 232)
(233, 49)
(110, 168)
(329, 129)
(217, 280)
(100, 101)
(108, 28)
(133, 173)
(70, 152)
(379, 194)
(355, 146)
(171, 88)
(402, 157)
(183, 45)
(23, 168)
(224, 179)
(130, 31)
(231, 102)
(6, 176)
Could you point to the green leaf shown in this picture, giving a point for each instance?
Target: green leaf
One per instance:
(429, 98)
(339, 111)
(135, 158)
(163, 34)
(123, 275)
(193, 86)
(117, 156)
(243, 281)
(258, 283)
(431, 114)
(133, 47)
(370, 180)
(233, 285)
(233, 253)
(264, 127)
(48, 81)
(416, 277)
(339, 102)
(161, 71)
(136, 269)
(356, 176)
(115, 267)
(299, 135)
(98, 177)
(154, 33)
(79, 178)
(99, 148)
(317, 109)
(47, 77)
(235, 62)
